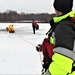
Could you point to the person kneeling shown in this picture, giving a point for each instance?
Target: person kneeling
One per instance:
(10, 29)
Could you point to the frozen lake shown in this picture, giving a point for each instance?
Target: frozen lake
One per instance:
(17, 51)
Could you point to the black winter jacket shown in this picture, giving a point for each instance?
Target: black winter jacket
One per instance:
(65, 34)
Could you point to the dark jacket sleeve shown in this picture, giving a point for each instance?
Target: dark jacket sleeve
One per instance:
(64, 35)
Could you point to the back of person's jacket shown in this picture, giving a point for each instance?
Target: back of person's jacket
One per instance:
(64, 38)
(64, 33)
(34, 23)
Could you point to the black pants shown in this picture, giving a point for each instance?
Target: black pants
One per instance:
(33, 29)
(11, 32)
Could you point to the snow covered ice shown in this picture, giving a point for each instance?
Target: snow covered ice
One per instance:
(18, 54)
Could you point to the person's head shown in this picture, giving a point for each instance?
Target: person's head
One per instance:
(62, 6)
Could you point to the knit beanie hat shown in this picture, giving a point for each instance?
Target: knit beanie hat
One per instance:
(63, 5)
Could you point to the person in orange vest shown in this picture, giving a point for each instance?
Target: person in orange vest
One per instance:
(10, 29)
(34, 26)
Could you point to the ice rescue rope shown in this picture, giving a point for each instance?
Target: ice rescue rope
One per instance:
(27, 41)
(33, 45)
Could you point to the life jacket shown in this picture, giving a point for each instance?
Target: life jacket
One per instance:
(47, 47)
(47, 50)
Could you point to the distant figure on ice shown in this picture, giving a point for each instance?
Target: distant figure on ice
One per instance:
(34, 26)
(10, 29)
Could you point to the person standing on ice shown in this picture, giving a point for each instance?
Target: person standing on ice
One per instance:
(63, 36)
(34, 26)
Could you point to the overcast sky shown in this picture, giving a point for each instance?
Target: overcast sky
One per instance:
(28, 6)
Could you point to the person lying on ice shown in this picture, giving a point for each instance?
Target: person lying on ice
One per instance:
(63, 27)
(10, 29)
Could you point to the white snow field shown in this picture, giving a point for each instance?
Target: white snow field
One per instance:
(18, 54)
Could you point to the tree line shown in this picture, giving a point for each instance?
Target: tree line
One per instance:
(13, 16)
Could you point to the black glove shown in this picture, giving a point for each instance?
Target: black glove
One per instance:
(39, 48)
(45, 66)
(46, 33)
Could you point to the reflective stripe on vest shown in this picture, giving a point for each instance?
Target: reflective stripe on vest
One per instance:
(65, 52)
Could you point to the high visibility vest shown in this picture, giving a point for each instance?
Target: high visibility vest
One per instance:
(63, 59)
